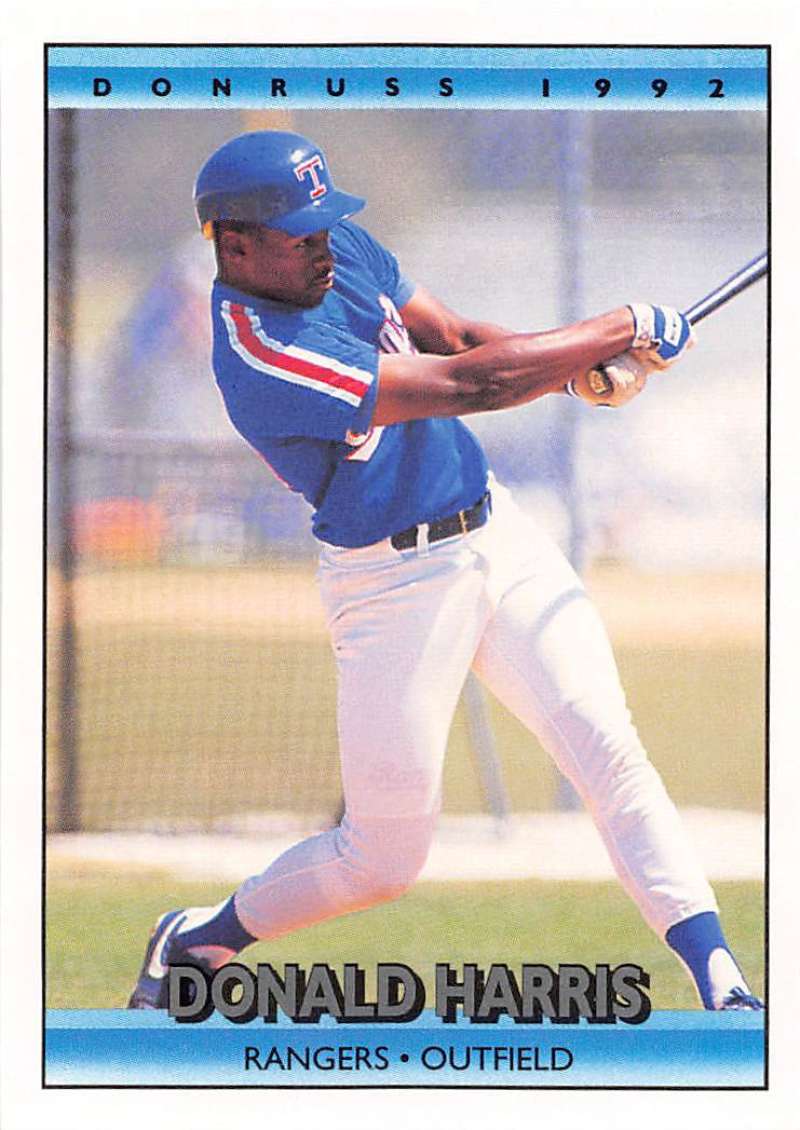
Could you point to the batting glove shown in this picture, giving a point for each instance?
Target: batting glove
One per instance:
(662, 331)
(615, 383)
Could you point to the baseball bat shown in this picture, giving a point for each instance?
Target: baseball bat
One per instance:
(743, 278)
(750, 273)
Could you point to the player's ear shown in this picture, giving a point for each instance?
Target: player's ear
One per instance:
(234, 244)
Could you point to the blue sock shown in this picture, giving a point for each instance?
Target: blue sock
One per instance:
(694, 940)
(222, 928)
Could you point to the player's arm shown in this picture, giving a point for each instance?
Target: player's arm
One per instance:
(435, 328)
(503, 372)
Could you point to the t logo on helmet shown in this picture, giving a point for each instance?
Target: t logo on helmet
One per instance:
(310, 166)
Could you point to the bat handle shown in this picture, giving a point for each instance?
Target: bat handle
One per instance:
(752, 272)
(599, 382)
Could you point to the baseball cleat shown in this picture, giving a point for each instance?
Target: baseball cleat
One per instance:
(738, 998)
(152, 988)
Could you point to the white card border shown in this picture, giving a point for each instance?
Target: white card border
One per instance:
(24, 1103)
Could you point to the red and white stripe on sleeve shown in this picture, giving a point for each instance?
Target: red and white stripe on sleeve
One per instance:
(290, 362)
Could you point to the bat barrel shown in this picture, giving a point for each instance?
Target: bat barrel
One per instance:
(743, 278)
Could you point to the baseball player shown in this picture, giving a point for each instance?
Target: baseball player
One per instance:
(350, 382)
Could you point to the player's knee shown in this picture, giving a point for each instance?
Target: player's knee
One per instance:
(387, 855)
(397, 875)
(384, 886)
(389, 872)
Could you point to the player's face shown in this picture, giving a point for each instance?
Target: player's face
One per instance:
(294, 269)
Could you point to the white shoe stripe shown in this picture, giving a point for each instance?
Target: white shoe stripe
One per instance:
(157, 968)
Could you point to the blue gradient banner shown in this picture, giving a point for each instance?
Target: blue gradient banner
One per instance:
(410, 78)
(344, 55)
(671, 1049)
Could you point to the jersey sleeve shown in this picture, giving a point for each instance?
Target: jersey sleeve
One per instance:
(404, 292)
(316, 380)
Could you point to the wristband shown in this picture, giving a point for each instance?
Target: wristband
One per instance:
(644, 325)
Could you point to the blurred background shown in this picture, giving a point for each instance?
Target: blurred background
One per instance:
(190, 683)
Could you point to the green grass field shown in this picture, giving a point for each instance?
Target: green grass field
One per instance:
(98, 921)
(188, 737)
(204, 694)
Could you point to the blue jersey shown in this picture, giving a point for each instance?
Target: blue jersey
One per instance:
(300, 385)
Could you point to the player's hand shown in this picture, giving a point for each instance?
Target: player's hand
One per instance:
(662, 331)
(615, 383)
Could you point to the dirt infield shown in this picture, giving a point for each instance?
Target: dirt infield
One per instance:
(681, 609)
(549, 845)
(639, 609)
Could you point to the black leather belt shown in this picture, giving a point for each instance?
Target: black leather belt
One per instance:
(460, 523)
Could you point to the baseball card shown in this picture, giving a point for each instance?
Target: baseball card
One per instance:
(405, 481)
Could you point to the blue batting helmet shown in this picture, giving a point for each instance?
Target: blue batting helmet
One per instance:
(270, 177)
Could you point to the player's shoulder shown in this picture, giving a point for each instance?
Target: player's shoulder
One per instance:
(348, 236)
(372, 264)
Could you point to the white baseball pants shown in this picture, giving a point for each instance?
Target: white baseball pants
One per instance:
(406, 628)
